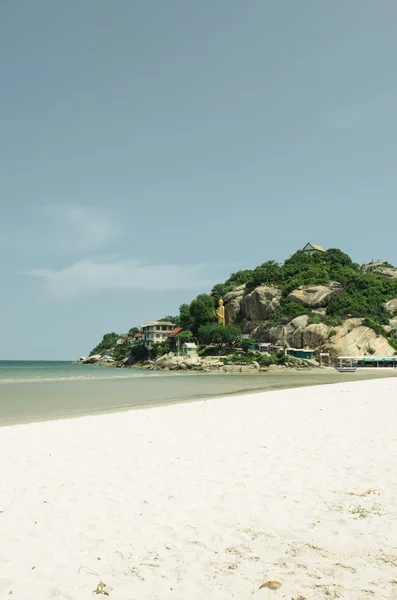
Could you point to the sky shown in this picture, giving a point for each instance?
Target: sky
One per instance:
(149, 149)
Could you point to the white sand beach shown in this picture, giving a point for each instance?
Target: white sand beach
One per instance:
(206, 500)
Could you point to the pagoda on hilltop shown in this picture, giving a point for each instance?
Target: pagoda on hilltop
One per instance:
(312, 248)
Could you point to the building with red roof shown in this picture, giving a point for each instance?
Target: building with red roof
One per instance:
(175, 332)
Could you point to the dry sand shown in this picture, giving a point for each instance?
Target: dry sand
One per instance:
(207, 500)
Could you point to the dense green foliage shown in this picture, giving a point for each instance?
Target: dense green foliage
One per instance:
(246, 344)
(202, 311)
(364, 291)
(159, 349)
(170, 319)
(139, 353)
(121, 352)
(133, 331)
(217, 334)
(108, 342)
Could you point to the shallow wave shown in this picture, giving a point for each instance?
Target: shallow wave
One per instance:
(81, 378)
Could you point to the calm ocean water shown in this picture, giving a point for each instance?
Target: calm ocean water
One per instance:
(19, 371)
(41, 390)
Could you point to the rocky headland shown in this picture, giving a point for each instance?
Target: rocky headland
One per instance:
(324, 302)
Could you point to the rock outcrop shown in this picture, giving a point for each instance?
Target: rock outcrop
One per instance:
(97, 359)
(232, 302)
(393, 322)
(91, 360)
(381, 268)
(170, 362)
(174, 363)
(316, 296)
(354, 339)
(258, 305)
(350, 339)
(390, 305)
(293, 331)
(315, 335)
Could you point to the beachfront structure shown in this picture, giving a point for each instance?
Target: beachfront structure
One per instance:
(325, 357)
(368, 361)
(189, 349)
(305, 353)
(312, 248)
(265, 348)
(155, 332)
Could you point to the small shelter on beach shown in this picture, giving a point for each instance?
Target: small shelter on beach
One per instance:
(189, 349)
(300, 353)
(265, 347)
(375, 362)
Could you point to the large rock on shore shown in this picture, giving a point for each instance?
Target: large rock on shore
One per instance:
(296, 334)
(258, 305)
(350, 339)
(316, 296)
(232, 302)
(92, 359)
(354, 339)
(315, 335)
(293, 331)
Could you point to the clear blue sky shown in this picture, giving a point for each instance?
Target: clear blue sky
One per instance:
(150, 148)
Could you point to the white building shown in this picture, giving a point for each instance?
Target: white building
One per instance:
(155, 332)
(189, 349)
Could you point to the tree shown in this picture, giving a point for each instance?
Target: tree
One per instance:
(246, 344)
(185, 336)
(108, 341)
(159, 349)
(170, 319)
(230, 335)
(218, 291)
(268, 273)
(185, 318)
(202, 311)
(335, 257)
(139, 353)
(133, 331)
(210, 334)
(218, 334)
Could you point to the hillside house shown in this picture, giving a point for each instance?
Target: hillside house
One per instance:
(155, 332)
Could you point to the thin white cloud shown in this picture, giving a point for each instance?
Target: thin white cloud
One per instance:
(97, 275)
(78, 229)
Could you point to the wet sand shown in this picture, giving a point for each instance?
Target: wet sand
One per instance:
(48, 400)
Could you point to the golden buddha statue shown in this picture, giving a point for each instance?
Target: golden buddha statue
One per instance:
(220, 313)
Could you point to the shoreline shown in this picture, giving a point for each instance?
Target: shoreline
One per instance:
(208, 499)
(235, 384)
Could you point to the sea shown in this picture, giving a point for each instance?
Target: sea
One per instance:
(45, 390)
